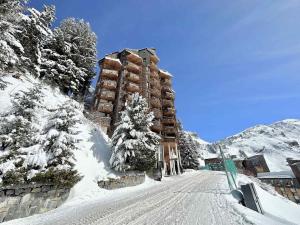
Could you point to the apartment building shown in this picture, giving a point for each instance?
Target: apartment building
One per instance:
(135, 70)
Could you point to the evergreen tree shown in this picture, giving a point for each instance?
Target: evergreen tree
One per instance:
(59, 143)
(57, 65)
(35, 34)
(188, 151)
(17, 131)
(133, 143)
(81, 43)
(11, 49)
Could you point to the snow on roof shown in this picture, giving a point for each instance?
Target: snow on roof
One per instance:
(281, 174)
(165, 72)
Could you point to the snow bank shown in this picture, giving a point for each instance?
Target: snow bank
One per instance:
(277, 209)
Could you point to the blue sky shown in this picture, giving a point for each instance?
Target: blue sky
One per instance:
(236, 63)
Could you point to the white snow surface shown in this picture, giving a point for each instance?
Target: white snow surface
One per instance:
(196, 197)
(93, 152)
(277, 209)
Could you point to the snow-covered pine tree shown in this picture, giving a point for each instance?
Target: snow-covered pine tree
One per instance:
(133, 143)
(188, 151)
(57, 66)
(59, 144)
(11, 49)
(18, 131)
(36, 31)
(82, 46)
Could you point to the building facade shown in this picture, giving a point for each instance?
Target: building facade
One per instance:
(129, 71)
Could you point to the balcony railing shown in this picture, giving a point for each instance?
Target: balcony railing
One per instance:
(169, 130)
(156, 127)
(108, 84)
(133, 67)
(169, 95)
(111, 74)
(105, 107)
(168, 103)
(164, 74)
(157, 113)
(133, 77)
(154, 58)
(166, 89)
(169, 112)
(155, 102)
(132, 87)
(107, 95)
(169, 120)
(155, 92)
(155, 83)
(167, 82)
(132, 57)
(111, 63)
(154, 75)
(153, 66)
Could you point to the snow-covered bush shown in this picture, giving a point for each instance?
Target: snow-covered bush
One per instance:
(188, 151)
(133, 143)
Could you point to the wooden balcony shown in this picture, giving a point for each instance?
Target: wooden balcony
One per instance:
(155, 83)
(167, 82)
(155, 92)
(169, 121)
(110, 63)
(170, 130)
(154, 75)
(128, 97)
(169, 112)
(133, 77)
(169, 95)
(164, 74)
(157, 113)
(168, 103)
(155, 102)
(132, 87)
(153, 67)
(154, 58)
(156, 127)
(132, 57)
(105, 107)
(107, 95)
(111, 74)
(133, 67)
(108, 84)
(166, 89)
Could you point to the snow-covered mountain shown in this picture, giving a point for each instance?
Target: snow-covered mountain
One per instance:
(277, 142)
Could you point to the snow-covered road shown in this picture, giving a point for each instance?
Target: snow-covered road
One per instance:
(196, 198)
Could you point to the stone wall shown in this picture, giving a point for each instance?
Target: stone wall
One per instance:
(21, 201)
(126, 180)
